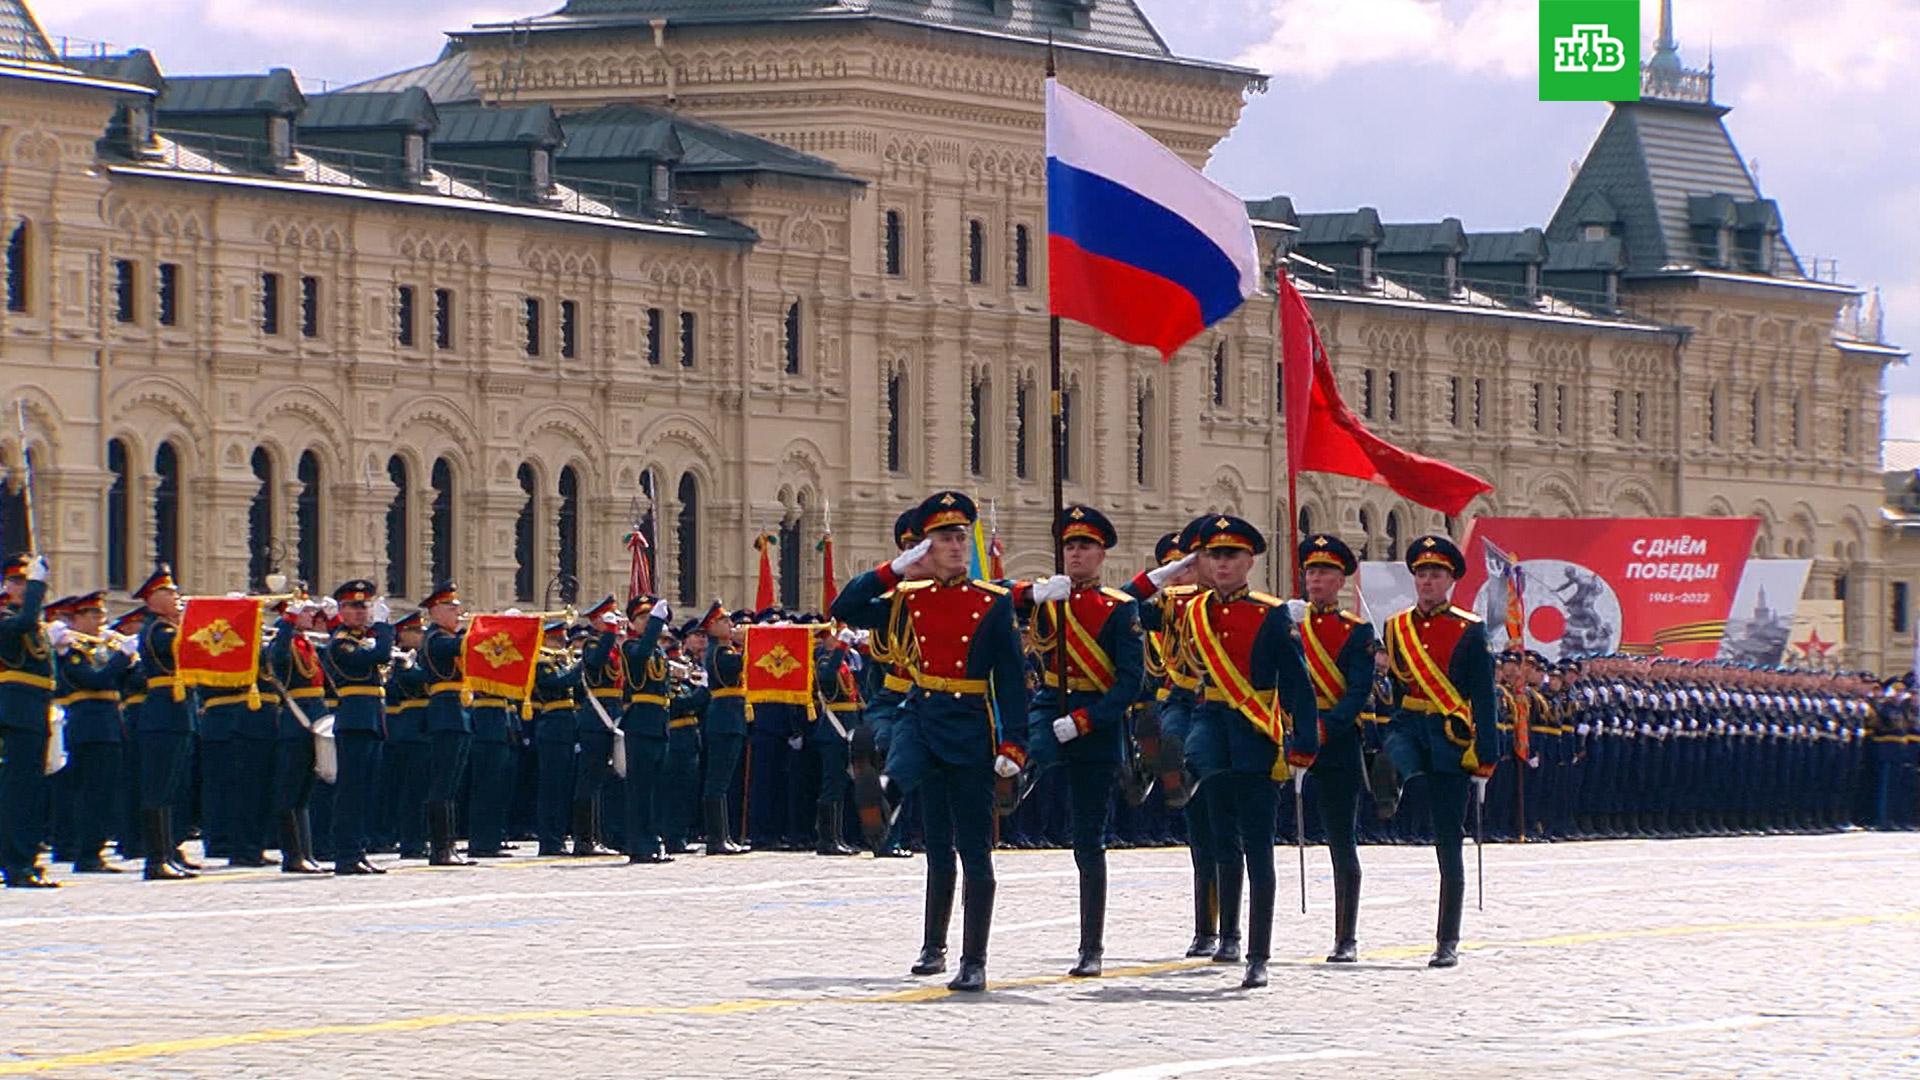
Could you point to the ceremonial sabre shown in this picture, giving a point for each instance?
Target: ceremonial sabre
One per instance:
(26, 471)
(1300, 834)
(1480, 845)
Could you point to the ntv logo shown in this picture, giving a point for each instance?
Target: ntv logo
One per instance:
(1588, 50)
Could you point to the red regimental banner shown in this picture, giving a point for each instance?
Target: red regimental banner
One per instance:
(1654, 586)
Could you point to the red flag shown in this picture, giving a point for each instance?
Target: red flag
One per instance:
(1323, 435)
(763, 596)
(218, 645)
(499, 654)
(778, 665)
(829, 585)
(640, 576)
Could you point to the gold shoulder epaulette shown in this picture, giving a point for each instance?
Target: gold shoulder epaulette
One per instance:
(912, 586)
(1265, 598)
(1463, 614)
(1180, 590)
(1354, 619)
(997, 590)
(1121, 595)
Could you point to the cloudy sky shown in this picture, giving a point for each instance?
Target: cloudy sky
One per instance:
(1421, 108)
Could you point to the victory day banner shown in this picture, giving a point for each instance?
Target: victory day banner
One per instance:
(779, 664)
(219, 642)
(499, 655)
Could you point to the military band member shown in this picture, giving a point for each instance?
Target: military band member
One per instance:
(888, 682)
(1083, 726)
(355, 659)
(254, 713)
(449, 728)
(555, 681)
(1255, 723)
(89, 677)
(725, 728)
(165, 728)
(959, 729)
(293, 662)
(644, 721)
(839, 693)
(133, 694)
(408, 756)
(496, 729)
(1338, 646)
(1443, 724)
(680, 780)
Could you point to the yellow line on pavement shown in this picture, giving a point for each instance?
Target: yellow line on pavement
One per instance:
(116, 1055)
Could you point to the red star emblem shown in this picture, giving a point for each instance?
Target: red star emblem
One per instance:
(1814, 646)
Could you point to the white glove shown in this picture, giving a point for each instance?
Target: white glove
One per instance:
(329, 606)
(511, 611)
(295, 609)
(39, 569)
(661, 610)
(1065, 730)
(1160, 575)
(847, 636)
(131, 647)
(1297, 612)
(381, 612)
(1533, 762)
(57, 633)
(796, 742)
(611, 620)
(905, 561)
(1004, 767)
(1480, 789)
(1049, 589)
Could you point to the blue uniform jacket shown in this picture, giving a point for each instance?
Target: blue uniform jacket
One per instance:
(91, 695)
(440, 658)
(727, 704)
(352, 660)
(648, 693)
(167, 708)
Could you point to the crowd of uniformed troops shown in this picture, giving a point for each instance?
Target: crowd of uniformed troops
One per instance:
(952, 715)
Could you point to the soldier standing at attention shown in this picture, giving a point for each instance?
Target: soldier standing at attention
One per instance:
(293, 661)
(1255, 723)
(648, 704)
(961, 727)
(1082, 726)
(26, 695)
(1339, 651)
(449, 730)
(1443, 724)
(355, 660)
(725, 730)
(90, 684)
(165, 728)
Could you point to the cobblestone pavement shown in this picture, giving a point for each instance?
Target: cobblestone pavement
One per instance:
(1776, 956)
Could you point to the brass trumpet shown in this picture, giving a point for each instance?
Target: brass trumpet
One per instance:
(107, 639)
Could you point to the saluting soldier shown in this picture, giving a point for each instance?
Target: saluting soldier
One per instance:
(26, 695)
(355, 659)
(725, 728)
(644, 721)
(1338, 646)
(1082, 726)
(292, 661)
(449, 728)
(1443, 724)
(165, 728)
(1256, 723)
(958, 730)
(88, 686)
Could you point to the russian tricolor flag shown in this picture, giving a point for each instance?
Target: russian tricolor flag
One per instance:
(1139, 244)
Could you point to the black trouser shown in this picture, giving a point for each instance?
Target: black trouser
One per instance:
(164, 760)
(1447, 808)
(1243, 808)
(23, 797)
(492, 765)
(446, 758)
(646, 765)
(1335, 794)
(293, 778)
(553, 797)
(1090, 790)
(407, 814)
(93, 773)
(353, 792)
(249, 795)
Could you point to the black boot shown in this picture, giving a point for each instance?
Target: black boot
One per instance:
(1259, 937)
(305, 821)
(976, 923)
(718, 840)
(1384, 779)
(1206, 915)
(1453, 894)
(585, 843)
(939, 914)
(293, 850)
(1346, 913)
(1093, 923)
(827, 826)
(153, 826)
(440, 850)
(1229, 881)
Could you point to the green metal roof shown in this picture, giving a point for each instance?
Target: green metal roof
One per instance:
(1574, 256)
(448, 80)
(1523, 246)
(276, 92)
(1360, 226)
(137, 67)
(1444, 237)
(486, 125)
(1273, 208)
(621, 133)
(1115, 25)
(408, 109)
(704, 147)
(20, 35)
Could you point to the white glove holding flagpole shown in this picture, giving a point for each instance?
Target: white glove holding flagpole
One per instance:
(1297, 612)
(1065, 730)
(381, 611)
(662, 610)
(907, 559)
(1005, 767)
(1050, 589)
(1160, 575)
(39, 569)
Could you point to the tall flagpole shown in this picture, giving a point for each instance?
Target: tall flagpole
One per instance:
(1059, 472)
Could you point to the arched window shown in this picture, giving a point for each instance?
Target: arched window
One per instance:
(306, 512)
(397, 511)
(793, 338)
(1754, 407)
(687, 540)
(440, 522)
(17, 266)
(1022, 257)
(1220, 373)
(977, 427)
(1366, 532)
(14, 534)
(1393, 535)
(1022, 422)
(523, 538)
(260, 522)
(976, 252)
(569, 521)
(896, 424)
(118, 524)
(650, 487)
(1306, 520)
(1795, 428)
(166, 505)
(790, 564)
(893, 245)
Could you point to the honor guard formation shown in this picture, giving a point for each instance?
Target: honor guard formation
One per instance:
(951, 715)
